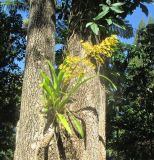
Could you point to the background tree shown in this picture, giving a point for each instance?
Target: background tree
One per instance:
(12, 47)
(130, 127)
(40, 43)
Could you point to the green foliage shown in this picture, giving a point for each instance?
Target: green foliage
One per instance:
(61, 119)
(12, 46)
(58, 95)
(108, 80)
(77, 125)
(151, 20)
(26, 22)
(130, 114)
(141, 25)
(109, 13)
(94, 27)
(15, 4)
(107, 9)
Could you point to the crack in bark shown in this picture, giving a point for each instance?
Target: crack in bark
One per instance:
(44, 142)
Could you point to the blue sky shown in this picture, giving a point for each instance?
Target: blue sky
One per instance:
(136, 17)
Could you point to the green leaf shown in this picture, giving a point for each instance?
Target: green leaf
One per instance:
(53, 73)
(108, 2)
(94, 27)
(60, 78)
(45, 110)
(109, 21)
(89, 24)
(11, 4)
(120, 26)
(77, 125)
(103, 13)
(116, 9)
(56, 103)
(48, 87)
(45, 77)
(50, 91)
(118, 4)
(67, 96)
(6, 2)
(47, 81)
(144, 9)
(55, 1)
(61, 119)
(113, 85)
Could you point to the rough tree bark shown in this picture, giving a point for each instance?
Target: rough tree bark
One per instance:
(90, 99)
(32, 126)
(33, 134)
(89, 106)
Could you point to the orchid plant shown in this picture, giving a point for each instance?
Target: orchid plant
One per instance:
(58, 91)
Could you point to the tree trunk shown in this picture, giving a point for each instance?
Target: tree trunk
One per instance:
(90, 108)
(90, 99)
(36, 139)
(32, 126)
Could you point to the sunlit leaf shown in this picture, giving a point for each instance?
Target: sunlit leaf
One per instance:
(77, 125)
(53, 73)
(88, 24)
(94, 27)
(118, 4)
(103, 13)
(120, 26)
(109, 21)
(45, 77)
(61, 119)
(116, 9)
(76, 86)
(106, 78)
(60, 78)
